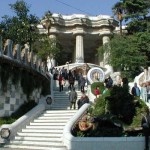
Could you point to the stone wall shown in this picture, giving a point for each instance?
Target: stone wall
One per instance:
(16, 60)
(14, 97)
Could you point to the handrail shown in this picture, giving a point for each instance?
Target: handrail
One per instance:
(68, 138)
(23, 121)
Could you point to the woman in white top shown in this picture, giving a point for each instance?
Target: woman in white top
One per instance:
(144, 92)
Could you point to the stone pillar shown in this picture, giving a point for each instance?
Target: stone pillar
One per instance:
(18, 47)
(106, 41)
(26, 53)
(148, 78)
(1, 45)
(145, 75)
(79, 49)
(51, 62)
(9, 48)
(106, 45)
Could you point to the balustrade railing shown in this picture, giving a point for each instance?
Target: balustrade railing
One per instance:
(22, 55)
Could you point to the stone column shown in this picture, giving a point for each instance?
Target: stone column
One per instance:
(26, 50)
(51, 62)
(106, 41)
(0, 44)
(106, 45)
(18, 47)
(9, 48)
(79, 49)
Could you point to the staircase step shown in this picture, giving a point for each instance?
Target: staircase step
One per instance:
(52, 120)
(40, 134)
(54, 117)
(45, 127)
(49, 143)
(57, 115)
(42, 131)
(46, 131)
(60, 111)
(38, 139)
(36, 147)
(47, 123)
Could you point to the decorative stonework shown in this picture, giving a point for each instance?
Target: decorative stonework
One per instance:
(67, 28)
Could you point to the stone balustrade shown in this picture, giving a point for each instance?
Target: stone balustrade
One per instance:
(21, 55)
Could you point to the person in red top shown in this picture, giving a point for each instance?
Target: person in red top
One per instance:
(97, 92)
(60, 79)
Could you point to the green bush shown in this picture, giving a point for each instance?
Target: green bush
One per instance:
(24, 108)
(121, 103)
(99, 84)
(119, 106)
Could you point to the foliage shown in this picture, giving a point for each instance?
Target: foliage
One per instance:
(27, 83)
(24, 24)
(24, 108)
(5, 73)
(128, 53)
(49, 48)
(99, 84)
(45, 87)
(118, 106)
(29, 80)
(121, 104)
(6, 120)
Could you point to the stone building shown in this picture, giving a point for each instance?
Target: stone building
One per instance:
(80, 35)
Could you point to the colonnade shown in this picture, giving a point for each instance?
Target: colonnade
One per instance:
(79, 49)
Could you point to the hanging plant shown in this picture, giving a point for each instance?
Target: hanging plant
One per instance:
(16, 73)
(45, 87)
(5, 73)
(27, 83)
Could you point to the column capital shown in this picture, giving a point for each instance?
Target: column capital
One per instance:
(79, 31)
(105, 32)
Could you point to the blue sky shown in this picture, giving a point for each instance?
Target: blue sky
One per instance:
(64, 7)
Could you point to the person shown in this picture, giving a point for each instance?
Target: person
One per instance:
(148, 91)
(108, 82)
(73, 98)
(145, 123)
(79, 77)
(144, 92)
(60, 79)
(97, 92)
(71, 82)
(82, 83)
(84, 99)
(135, 91)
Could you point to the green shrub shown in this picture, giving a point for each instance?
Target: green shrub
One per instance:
(121, 103)
(99, 84)
(24, 108)
(27, 106)
(118, 106)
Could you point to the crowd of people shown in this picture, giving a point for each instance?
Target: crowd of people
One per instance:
(142, 91)
(63, 75)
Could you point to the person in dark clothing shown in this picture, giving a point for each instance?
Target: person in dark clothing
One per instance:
(108, 82)
(145, 123)
(73, 98)
(84, 99)
(135, 90)
(60, 79)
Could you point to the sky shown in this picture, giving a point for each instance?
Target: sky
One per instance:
(64, 7)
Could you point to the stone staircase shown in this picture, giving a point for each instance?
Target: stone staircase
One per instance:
(45, 131)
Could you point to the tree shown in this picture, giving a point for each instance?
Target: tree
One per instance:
(49, 48)
(21, 28)
(125, 55)
(135, 13)
(130, 52)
